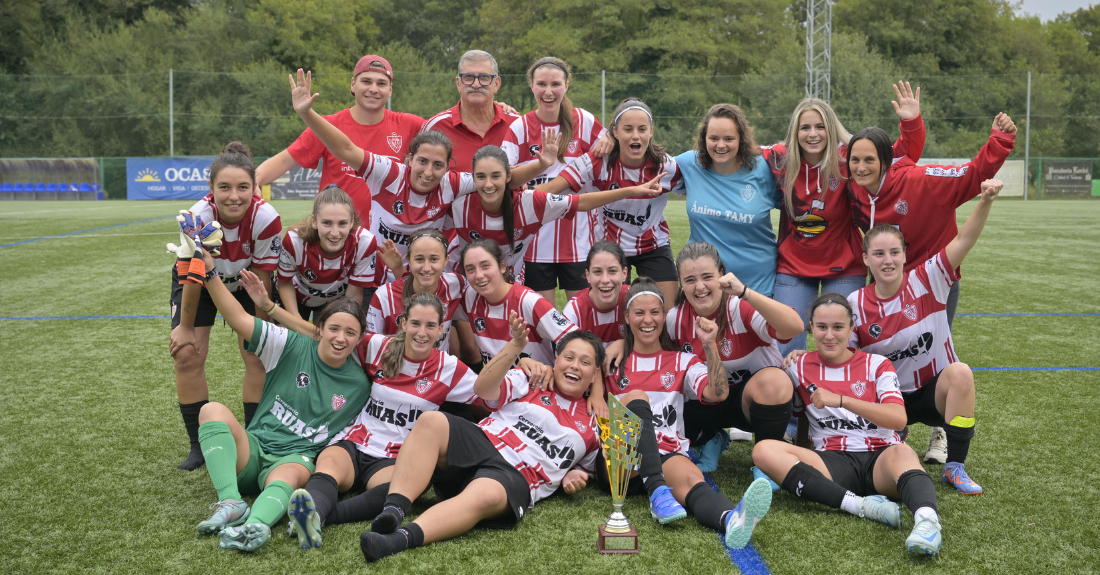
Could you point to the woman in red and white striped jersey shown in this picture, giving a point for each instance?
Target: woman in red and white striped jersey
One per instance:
(853, 406)
(599, 309)
(560, 246)
(251, 230)
(327, 255)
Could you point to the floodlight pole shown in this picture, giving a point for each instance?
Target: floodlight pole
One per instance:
(1027, 134)
(819, 41)
(171, 115)
(603, 97)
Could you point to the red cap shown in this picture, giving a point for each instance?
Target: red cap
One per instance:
(364, 65)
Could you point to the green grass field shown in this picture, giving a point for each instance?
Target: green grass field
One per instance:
(92, 432)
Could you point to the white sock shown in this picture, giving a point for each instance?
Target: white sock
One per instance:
(926, 513)
(851, 503)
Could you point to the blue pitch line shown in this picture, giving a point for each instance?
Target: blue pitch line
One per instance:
(1019, 314)
(81, 232)
(1035, 368)
(748, 560)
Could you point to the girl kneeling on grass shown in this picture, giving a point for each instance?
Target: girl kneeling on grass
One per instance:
(309, 390)
(852, 403)
(653, 380)
(534, 441)
(327, 255)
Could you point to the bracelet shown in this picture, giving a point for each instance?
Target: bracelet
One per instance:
(273, 306)
(743, 292)
(842, 402)
(213, 273)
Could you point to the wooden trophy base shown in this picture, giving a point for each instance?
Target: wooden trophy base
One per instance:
(618, 543)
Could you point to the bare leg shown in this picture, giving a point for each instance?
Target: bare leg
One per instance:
(423, 452)
(669, 291)
(482, 499)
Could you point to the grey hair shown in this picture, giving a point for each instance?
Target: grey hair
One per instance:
(478, 56)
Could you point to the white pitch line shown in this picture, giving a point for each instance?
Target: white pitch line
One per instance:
(93, 236)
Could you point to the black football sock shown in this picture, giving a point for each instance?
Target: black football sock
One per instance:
(249, 412)
(362, 507)
(393, 513)
(958, 440)
(770, 421)
(376, 546)
(808, 483)
(917, 490)
(649, 469)
(190, 413)
(325, 491)
(708, 506)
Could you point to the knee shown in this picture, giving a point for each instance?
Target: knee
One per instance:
(771, 386)
(635, 394)
(489, 500)
(762, 451)
(959, 376)
(188, 360)
(432, 422)
(215, 411)
(900, 453)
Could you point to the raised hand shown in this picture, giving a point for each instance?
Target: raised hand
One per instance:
(731, 285)
(1004, 123)
(907, 106)
(299, 92)
(551, 144)
(211, 236)
(519, 329)
(256, 290)
(653, 187)
(706, 330)
(991, 189)
(391, 257)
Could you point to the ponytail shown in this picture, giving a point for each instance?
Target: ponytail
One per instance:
(565, 111)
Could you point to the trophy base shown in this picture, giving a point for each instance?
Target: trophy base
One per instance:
(619, 543)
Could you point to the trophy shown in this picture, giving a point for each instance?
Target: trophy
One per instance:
(619, 436)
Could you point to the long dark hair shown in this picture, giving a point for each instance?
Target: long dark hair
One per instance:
(332, 194)
(407, 289)
(746, 145)
(655, 152)
(703, 250)
(494, 250)
(639, 285)
(883, 147)
(565, 111)
(394, 356)
(506, 207)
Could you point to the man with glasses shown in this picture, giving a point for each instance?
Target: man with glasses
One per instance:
(476, 120)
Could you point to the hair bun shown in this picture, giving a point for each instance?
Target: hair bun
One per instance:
(237, 148)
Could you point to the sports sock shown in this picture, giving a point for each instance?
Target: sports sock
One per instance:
(190, 413)
(808, 483)
(649, 469)
(926, 512)
(393, 513)
(362, 507)
(270, 505)
(220, 451)
(324, 490)
(708, 506)
(375, 546)
(958, 438)
(851, 502)
(770, 421)
(249, 412)
(917, 490)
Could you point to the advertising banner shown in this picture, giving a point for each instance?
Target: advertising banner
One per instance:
(183, 178)
(297, 184)
(1067, 179)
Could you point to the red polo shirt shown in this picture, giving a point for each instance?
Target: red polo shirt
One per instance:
(467, 142)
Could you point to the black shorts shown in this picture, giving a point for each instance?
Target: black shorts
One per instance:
(635, 485)
(657, 264)
(366, 466)
(207, 311)
(470, 456)
(701, 419)
(920, 405)
(540, 276)
(852, 470)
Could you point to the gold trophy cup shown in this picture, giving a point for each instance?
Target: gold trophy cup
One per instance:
(619, 436)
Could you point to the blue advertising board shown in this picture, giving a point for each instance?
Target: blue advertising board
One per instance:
(168, 178)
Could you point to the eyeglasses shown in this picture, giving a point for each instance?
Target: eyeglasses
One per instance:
(483, 79)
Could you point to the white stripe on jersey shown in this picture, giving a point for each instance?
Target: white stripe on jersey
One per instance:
(541, 433)
(493, 332)
(563, 240)
(606, 325)
(386, 307)
(397, 402)
(252, 242)
(910, 329)
(865, 377)
(272, 341)
(747, 346)
(637, 224)
(317, 277)
(667, 377)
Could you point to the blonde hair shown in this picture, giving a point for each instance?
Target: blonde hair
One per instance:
(332, 194)
(835, 134)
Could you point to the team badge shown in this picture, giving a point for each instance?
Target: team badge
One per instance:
(688, 348)
(622, 330)
(622, 382)
(613, 187)
(581, 426)
(555, 198)
(875, 330)
(517, 234)
(811, 388)
(400, 317)
(423, 384)
(394, 140)
(748, 193)
(859, 387)
(572, 146)
(910, 311)
(474, 236)
(399, 207)
(667, 380)
(276, 247)
(559, 319)
(479, 324)
(902, 207)
(310, 275)
(833, 183)
(534, 149)
(303, 379)
(432, 211)
(338, 401)
(246, 247)
(727, 346)
(545, 400)
(378, 374)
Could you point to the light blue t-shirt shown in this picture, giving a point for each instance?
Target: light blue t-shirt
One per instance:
(733, 213)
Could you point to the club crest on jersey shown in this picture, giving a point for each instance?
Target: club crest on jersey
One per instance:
(688, 348)
(902, 207)
(432, 211)
(399, 207)
(303, 379)
(573, 150)
(667, 380)
(748, 193)
(910, 311)
(833, 183)
(338, 401)
(727, 346)
(423, 384)
(276, 247)
(613, 187)
(378, 374)
(310, 275)
(875, 330)
(394, 140)
(517, 234)
(558, 318)
(545, 400)
(580, 426)
(859, 387)
(479, 324)
(534, 149)
(622, 382)
(474, 236)
(246, 247)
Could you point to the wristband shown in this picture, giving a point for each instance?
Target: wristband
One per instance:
(842, 402)
(273, 306)
(213, 273)
(743, 292)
